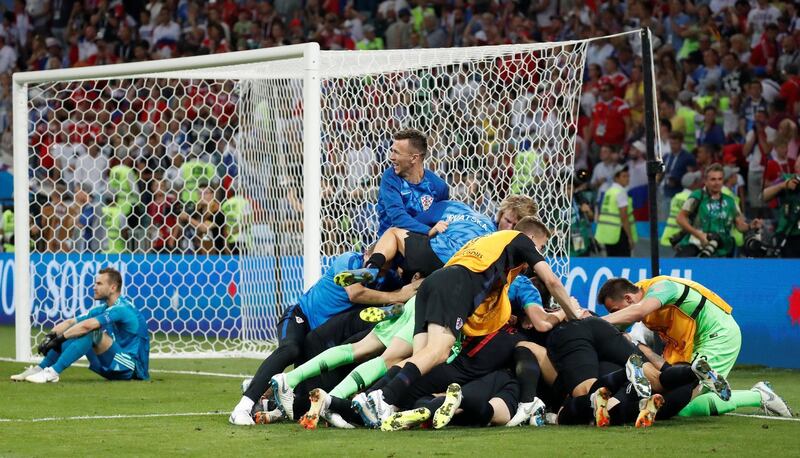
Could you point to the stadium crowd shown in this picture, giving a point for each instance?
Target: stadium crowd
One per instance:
(727, 82)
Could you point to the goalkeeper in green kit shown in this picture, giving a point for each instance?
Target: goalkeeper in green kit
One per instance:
(697, 327)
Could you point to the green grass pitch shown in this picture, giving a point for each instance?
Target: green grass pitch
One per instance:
(139, 432)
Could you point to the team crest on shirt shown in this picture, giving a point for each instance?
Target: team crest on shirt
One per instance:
(298, 319)
(459, 324)
(426, 201)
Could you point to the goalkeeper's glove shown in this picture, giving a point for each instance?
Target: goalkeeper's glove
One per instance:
(52, 341)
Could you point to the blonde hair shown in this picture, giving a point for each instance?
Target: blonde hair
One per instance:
(532, 226)
(521, 206)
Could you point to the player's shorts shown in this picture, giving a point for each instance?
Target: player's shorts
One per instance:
(401, 327)
(419, 256)
(113, 364)
(447, 298)
(576, 348)
(293, 326)
(721, 349)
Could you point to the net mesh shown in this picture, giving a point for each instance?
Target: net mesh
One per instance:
(191, 183)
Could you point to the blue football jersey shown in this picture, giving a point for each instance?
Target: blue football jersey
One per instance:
(523, 294)
(464, 224)
(326, 299)
(400, 201)
(127, 326)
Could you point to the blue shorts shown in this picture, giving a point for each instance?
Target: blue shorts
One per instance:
(113, 364)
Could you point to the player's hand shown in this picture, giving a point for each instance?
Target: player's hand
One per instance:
(438, 228)
(50, 342)
(512, 320)
(410, 290)
(584, 313)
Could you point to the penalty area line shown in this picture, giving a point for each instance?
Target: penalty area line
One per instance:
(110, 417)
(763, 417)
(161, 371)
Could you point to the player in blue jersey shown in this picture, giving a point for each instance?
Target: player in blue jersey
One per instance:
(458, 224)
(407, 188)
(321, 302)
(113, 336)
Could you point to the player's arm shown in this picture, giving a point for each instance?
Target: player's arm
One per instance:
(543, 321)
(82, 328)
(557, 290)
(395, 210)
(360, 294)
(62, 327)
(635, 312)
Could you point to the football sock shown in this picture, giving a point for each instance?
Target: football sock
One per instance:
(50, 359)
(527, 371)
(275, 363)
(628, 408)
(613, 381)
(344, 408)
(675, 400)
(576, 411)
(71, 351)
(376, 260)
(328, 359)
(394, 390)
(710, 404)
(675, 376)
(360, 377)
(390, 374)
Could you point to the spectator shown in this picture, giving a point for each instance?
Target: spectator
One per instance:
(8, 56)
(676, 164)
(758, 144)
(370, 41)
(603, 175)
(708, 216)
(710, 133)
(611, 121)
(787, 190)
(435, 36)
(398, 34)
(760, 17)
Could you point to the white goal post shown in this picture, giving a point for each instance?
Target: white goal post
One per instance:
(300, 136)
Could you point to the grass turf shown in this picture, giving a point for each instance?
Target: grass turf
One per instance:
(82, 393)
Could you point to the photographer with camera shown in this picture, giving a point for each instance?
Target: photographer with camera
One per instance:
(787, 232)
(708, 216)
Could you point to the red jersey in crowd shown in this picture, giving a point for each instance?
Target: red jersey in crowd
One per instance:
(608, 121)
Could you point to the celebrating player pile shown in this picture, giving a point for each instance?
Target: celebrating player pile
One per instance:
(459, 334)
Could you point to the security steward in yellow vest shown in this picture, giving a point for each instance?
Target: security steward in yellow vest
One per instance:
(690, 182)
(616, 227)
(8, 231)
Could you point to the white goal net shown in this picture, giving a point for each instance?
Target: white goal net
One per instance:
(219, 191)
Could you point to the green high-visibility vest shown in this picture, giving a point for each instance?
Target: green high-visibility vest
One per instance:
(370, 45)
(526, 164)
(675, 206)
(121, 179)
(690, 127)
(737, 235)
(233, 209)
(195, 174)
(113, 219)
(609, 224)
(8, 231)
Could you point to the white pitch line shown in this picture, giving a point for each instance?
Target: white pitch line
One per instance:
(110, 417)
(763, 417)
(161, 371)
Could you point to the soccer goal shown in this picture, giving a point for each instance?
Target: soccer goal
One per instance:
(220, 185)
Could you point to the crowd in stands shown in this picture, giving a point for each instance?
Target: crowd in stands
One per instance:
(728, 89)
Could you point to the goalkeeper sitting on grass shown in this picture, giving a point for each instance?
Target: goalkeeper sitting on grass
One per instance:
(113, 336)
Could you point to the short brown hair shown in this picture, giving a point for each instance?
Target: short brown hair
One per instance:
(114, 277)
(532, 226)
(614, 289)
(715, 167)
(416, 139)
(520, 205)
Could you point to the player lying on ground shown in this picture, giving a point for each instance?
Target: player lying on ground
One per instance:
(321, 302)
(113, 336)
(696, 324)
